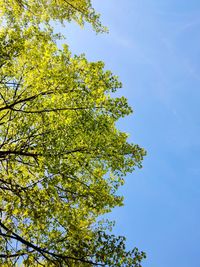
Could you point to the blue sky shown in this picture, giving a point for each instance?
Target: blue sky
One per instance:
(154, 47)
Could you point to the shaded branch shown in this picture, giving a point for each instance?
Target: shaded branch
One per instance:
(43, 251)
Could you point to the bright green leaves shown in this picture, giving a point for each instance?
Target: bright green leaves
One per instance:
(62, 158)
(26, 12)
(112, 251)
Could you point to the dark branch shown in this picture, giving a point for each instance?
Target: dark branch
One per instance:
(43, 251)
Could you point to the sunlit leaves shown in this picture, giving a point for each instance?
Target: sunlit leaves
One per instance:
(62, 158)
(26, 12)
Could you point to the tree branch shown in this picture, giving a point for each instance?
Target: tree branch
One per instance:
(42, 251)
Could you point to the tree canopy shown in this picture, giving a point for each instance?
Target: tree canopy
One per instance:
(62, 158)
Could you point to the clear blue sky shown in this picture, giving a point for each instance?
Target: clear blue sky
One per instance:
(154, 47)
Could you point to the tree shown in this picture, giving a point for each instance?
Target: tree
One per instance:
(62, 158)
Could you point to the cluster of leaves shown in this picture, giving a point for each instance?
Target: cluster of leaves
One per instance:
(43, 11)
(61, 157)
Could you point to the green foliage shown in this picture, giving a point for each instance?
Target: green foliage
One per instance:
(25, 12)
(61, 157)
